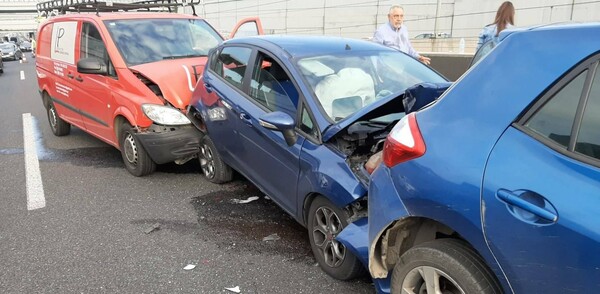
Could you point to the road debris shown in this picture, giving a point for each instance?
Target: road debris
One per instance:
(235, 289)
(189, 267)
(153, 228)
(239, 201)
(272, 237)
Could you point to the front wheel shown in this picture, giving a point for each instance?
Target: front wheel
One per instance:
(58, 125)
(442, 266)
(136, 159)
(213, 167)
(325, 222)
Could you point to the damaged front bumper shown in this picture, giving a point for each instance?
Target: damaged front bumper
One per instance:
(170, 143)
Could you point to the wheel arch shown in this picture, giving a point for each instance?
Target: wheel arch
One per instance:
(46, 98)
(308, 200)
(117, 123)
(195, 116)
(402, 235)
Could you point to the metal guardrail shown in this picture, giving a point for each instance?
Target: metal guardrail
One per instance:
(63, 6)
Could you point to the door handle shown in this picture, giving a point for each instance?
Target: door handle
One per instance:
(70, 76)
(246, 118)
(79, 79)
(208, 87)
(515, 199)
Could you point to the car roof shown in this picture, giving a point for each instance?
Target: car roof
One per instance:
(570, 25)
(296, 46)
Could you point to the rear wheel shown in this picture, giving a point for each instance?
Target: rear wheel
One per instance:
(445, 266)
(213, 167)
(325, 222)
(136, 159)
(58, 125)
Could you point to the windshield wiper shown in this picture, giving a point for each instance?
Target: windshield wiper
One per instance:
(184, 56)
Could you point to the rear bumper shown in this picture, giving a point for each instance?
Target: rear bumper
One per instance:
(167, 144)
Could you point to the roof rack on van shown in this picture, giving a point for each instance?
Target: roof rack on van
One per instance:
(53, 7)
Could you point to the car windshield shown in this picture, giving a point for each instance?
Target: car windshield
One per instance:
(347, 82)
(149, 40)
(6, 47)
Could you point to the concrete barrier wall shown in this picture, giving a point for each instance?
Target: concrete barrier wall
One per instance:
(451, 65)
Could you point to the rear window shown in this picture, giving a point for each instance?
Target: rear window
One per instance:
(149, 40)
(44, 41)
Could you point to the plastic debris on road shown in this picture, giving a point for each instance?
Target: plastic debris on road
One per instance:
(189, 267)
(272, 237)
(153, 228)
(239, 201)
(235, 289)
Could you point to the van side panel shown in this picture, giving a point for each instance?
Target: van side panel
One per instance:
(56, 64)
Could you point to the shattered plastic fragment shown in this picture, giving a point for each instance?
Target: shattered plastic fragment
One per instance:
(235, 289)
(250, 199)
(153, 228)
(272, 237)
(189, 267)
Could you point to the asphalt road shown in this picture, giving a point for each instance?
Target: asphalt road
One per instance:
(93, 230)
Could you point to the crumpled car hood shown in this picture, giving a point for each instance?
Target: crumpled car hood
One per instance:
(176, 78)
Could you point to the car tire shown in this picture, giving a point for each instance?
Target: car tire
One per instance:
(137, 160)
(58, 126)
(214, 169)
(325, 222)
(458, 268)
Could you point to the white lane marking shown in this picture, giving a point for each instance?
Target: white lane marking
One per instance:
(35, 188)
(22, 75)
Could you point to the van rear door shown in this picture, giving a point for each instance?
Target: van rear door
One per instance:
(246, 27)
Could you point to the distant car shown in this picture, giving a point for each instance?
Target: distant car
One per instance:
(299, 116)
(25, 46)
(495, 188)
(11, 51)
(433, 36)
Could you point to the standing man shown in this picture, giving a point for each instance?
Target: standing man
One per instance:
(394, 34)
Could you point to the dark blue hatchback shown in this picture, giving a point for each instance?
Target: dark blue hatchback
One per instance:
(299, 117)
(495, 187)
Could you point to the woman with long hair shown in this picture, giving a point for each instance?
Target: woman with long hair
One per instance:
(505, 17)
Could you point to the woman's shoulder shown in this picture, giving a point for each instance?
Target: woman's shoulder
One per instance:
(490, 27)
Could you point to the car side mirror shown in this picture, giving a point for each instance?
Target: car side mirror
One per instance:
(92, 65)
(282, 122)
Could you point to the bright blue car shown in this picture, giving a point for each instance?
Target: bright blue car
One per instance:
(495, 188)
(299, 117)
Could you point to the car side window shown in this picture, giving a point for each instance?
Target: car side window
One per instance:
(272, 87)
(588, 138)
(554, 120)
(231, 64)
(91, 45)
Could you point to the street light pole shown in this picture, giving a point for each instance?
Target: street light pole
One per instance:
(437, 16)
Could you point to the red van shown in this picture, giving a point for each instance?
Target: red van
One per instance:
(125, 77)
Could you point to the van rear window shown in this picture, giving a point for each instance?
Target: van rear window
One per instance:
(44, 40)
(149, 40)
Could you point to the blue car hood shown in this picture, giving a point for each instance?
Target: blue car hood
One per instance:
(373, 110)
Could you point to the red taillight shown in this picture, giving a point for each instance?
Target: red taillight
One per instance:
(404, 142)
